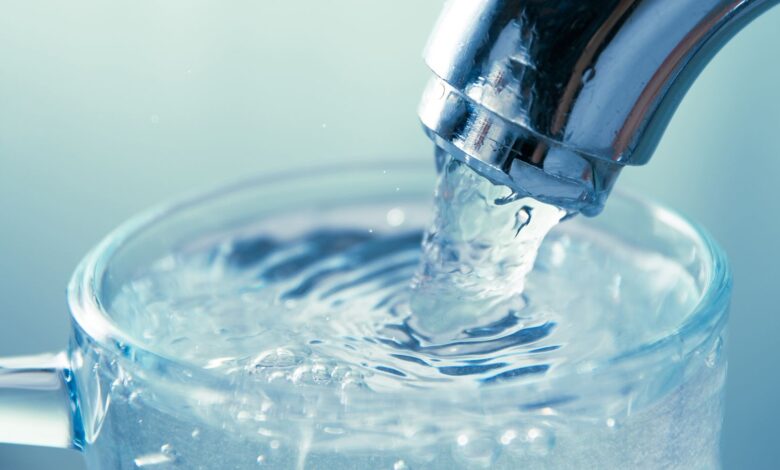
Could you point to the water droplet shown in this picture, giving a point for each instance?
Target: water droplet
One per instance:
(522, 218)
(261, 459)
(195, 433)
(395, 217)
(401, 465)
(610, 422)
(588, 74)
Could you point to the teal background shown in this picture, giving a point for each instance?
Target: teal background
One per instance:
(107, 108)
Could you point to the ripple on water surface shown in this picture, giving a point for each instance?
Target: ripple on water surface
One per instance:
(376, 309)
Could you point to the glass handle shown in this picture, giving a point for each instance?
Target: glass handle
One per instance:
(35, 402)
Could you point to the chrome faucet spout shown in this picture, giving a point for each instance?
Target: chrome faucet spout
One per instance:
(555, 97)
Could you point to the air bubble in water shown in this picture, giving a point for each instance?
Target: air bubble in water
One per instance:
(557, 253)
(714, 355)
(339, 373)
(475, 451)
(167, 455)
(320, 374)
(278, 358)
(153, 459)
(276, 376)
(261, 460)
(522, 218)
(218, 362)
(508, 437)
(536, 441)
(352, 380)
(401, 465)
(540, 441)
(301, 375)
(122, 384)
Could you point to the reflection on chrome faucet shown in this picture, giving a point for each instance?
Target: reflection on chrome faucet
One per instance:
(554, 98)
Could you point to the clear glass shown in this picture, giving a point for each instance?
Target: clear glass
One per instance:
(126, 405)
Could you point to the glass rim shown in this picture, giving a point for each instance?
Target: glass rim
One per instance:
(91, 316)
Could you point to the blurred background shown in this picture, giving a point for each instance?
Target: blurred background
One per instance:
(107, 108)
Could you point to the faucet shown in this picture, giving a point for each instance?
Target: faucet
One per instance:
(554, 97)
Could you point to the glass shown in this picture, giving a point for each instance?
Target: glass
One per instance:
(125, 405)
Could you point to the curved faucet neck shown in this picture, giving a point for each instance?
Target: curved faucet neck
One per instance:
(554, 98)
